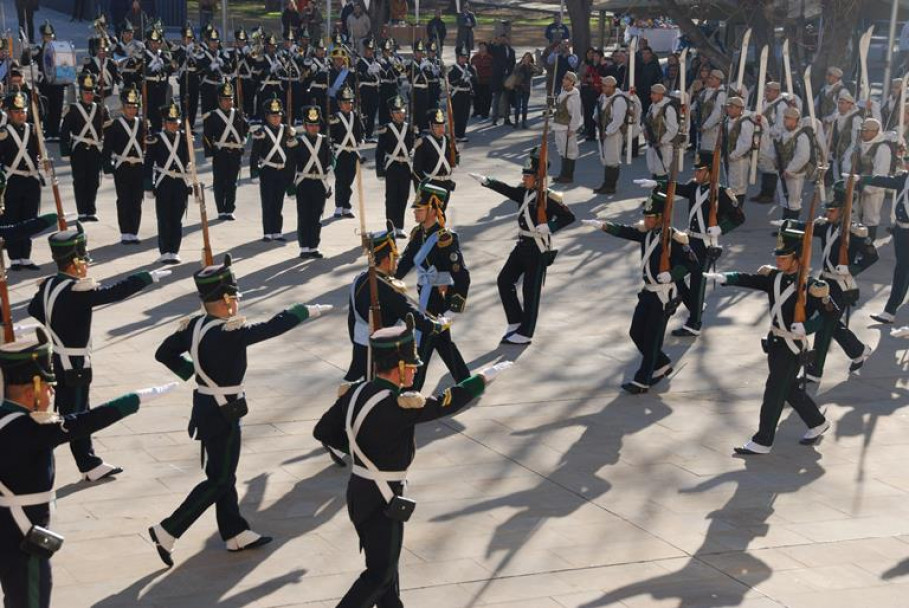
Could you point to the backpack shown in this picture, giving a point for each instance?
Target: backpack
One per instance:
(890, 140)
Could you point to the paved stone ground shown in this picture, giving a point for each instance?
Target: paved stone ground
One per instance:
(554, 490)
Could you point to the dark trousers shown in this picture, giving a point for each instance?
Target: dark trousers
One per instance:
(420, 108)
(222, 453)
(482, 100)
(369, 98)
(249, 97)
(23, 198)
(386, 92)
(209, 97)
(448, 351)
(521, 102)
(310, 206)
(460, 105)
(170, 206)
(782, 386)
(900, 271)
(527, 261)
(358, 362)
(157, 97)
(692, 293)
(25, 579)
(85, 162)
(833, 328)
(588, 104)
(191, 103)
(128, 184)
(345, 172)
(272, 188)
(225, 168)
(74, 400)
(648, 329)
(381, 539)
(25, 11)
(54, 95)
(397, 192)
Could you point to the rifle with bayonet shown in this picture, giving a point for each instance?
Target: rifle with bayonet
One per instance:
(9, 335)
(199, 195)
(375, 308)
(452, 147)
(666, 234)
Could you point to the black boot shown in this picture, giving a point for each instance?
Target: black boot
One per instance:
(791, 214)
(872, 233)
(569, 171)
(768, 188)
(612, 178)
(603, 189)
(562, 169)
(524, 119)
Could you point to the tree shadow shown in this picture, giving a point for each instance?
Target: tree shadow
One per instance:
(721, 572)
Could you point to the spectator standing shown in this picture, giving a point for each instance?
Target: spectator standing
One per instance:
(466, 22)
(358, 27)
(671, 80)
(346, 11)
(557, 32)
(648, 74)
(590, 90)
(524, 72)
(482, 63)
(291, 20)
(562, 61)
(503, 61)
(206, 11)
(313, 20)
(619, 69)
(436, 30)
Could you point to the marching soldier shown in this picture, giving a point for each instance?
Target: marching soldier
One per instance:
(847, 126)
(52, 93)
(661, 129)
(772, 124)
(19, 158)
(167, 179)
(393, 163)
(124, 157)
(105, 69)
(225, 132)
(828, 97)
(532, 252)
(738, 137)
(268, 70)
(786, 342)
(158, 68)
(384, 411)
(313, 164)
(567, 118)
(435, 71)
(81, 141)
(419, 73)
(875, 157)
(346, 135)
(658, 300)
(317, 65)
(290, 75)
(442, 278)
(29, 432)
(128, 54)
(613, 111)
(216, 342)
(64, 305)
(214, 67)
(432, 154)
(712, 103)
(272, 148)
(461, 78)
(797, 159)
(900, 229)
(369, 72)
(393, 302)
(340, 77)
(844, 290)
(244, 64)
(388, 79)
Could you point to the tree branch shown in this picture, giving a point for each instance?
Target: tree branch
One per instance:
(681, 18)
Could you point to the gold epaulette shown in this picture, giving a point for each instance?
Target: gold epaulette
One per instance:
(291, 131)
(234, 323)
(640, 226)
(860, 230)
(418, 143)
(411, 400)
(205, 115)
(86, 284)
(396, 284)
(554, 196)
(183, 323)
(3, 134)
(446, 238)
(415, 231)
(766, 270)
(333, 120)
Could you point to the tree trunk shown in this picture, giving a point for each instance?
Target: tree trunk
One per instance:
(840, 17)
(579, 13)
(681, 17)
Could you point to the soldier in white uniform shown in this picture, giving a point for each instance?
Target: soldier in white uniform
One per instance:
(661, 127)
(875, 157)
(829, 95)
(846, 128)
(711, 112)
(613, 108)
(795, 158)
(890, 111)
(567, 119)
(772, 128)
(737, 149)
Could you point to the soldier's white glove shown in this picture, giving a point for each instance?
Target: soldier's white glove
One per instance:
(900, 332)
(664, 277)
(843, 270)
(444, 321)
(157, 275)
(317, 310)
(714, 231)
(798, 329)
(424, 65)
(150, 394)
(489, 374)
(254, 181)
(156, 64)
(543, 229)
(480, 178)
(646, 183)
(719, 277)
(598, 224)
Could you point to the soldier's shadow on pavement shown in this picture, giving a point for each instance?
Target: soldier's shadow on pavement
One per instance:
(208, 577)
(721, 572)
(576, 479)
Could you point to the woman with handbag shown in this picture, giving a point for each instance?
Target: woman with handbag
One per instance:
(523, 73)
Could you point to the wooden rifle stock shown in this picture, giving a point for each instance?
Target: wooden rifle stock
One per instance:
(846, 218)
(7, 315)
(45, 159)
(543, 167)
(713, 199)
(452, 148)
(666, 234)
(799, 315)
(199, 195)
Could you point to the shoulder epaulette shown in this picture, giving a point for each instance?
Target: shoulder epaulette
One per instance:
(418, 143)
(397, 284)
(152, 139)
(554, 196)
(411, 400)
(333, 120)
(86, 284)
(234, 323)
(291, 132)
(766, 270)
(3, 134)
(446, 238)
(414, 231)
(205, 115)
(382, 129)
(680, 237)
(859, 230)
(640, 226)
(184, 323)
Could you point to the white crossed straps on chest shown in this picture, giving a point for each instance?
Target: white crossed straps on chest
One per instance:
(400, 153)
(845, 282)
(49, 299)
(313, 168)
(542, 241)
(697, 211)
(89, 134)
(348, 142)
(459, 77)
(352, 427)
(269, 159)
(780, 296)
(828, 248)
(443, 167)
(269, 75)
(209, 386)
(22, 155)
(173, 159)
(132, 142)
(230, 137)
(664, 291)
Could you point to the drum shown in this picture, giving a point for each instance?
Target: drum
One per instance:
(59, 62)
